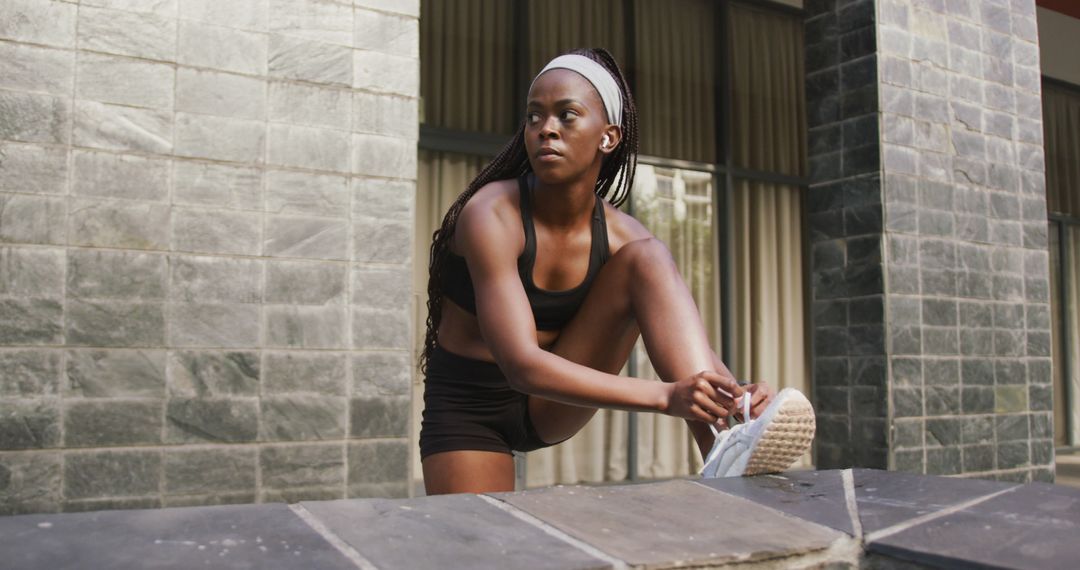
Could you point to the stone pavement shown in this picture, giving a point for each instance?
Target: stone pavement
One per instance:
(838, 518)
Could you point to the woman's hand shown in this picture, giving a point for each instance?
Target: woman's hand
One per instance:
(761, 394)
(706, 396)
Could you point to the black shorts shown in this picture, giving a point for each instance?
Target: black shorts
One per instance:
(468, 404)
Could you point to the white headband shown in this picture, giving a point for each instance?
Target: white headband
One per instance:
(600, 78)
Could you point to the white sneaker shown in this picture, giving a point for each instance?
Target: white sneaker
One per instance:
(770, 443)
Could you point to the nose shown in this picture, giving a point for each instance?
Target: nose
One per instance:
(548, 130)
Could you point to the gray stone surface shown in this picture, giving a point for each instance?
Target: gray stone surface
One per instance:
(305, 326)
(379, 417)
(198, 373)
(305, 283)
(115, 127)
(218, 185)
(462, 531)
(647, 524)
(95, 373)
(201, 471)
(95, 274)
(30, 423)
(205, 279)
(112, 423)
(95, 474)
(179, 222)
(1034, 526)
(302, 417)
(816, 496)
(29, 373)
(887, 498)
(218, 47)
(308, 60)
(119, 224)
(106, 323)
(286, 467)
(230, 420)
(248, 536)
(378, 468)
(32, 219)
(26, 272)
(29, 482)
(33, 169)
(315, 372)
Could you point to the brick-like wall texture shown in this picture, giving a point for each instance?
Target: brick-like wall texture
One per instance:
(929, 237)
(205, 225)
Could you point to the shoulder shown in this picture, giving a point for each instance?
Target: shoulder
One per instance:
(492, 213)
(622, 228)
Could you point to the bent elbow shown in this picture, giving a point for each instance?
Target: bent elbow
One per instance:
(522, 374)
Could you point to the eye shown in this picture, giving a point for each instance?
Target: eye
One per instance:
(567, 115)
(532, 118)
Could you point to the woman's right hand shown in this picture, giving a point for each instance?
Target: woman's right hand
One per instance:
(706, 396)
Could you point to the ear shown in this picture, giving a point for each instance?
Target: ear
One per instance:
(614, 137)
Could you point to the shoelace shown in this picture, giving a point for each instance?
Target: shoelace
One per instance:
(745, 414)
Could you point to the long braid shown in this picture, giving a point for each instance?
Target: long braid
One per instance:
(513, 161)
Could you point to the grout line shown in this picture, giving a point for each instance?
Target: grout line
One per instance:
(849, 500)
(900, 527)
(336, 541)
(616, 563)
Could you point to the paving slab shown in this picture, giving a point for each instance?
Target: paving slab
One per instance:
(886, 498)
(445, 532)
(672, 524)
(816, 496)
(1034, 526)
(268, 536)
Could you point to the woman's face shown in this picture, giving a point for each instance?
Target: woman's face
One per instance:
(564, 125)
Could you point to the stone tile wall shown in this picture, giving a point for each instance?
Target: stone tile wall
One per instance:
(205, 222)
(956, 226)
(845, 219)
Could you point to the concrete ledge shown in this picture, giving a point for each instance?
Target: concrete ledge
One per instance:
(806, 519)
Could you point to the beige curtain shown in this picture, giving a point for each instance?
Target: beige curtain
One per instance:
(768, 133)
(466, 65)
(558, 26)
(1061, 130)
(676, 78)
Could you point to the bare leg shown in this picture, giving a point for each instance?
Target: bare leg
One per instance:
(638, 290)
(468, 472)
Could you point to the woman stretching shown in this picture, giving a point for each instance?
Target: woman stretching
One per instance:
(539, 288)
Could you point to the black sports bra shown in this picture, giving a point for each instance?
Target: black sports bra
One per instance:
(551, 309)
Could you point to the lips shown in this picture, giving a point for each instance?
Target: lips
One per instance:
(548, 153)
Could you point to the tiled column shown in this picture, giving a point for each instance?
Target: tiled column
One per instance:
(928, 220)
(205, 214)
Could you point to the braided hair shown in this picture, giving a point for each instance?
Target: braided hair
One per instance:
(512, 162)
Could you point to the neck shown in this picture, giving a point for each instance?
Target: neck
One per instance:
(565, 204)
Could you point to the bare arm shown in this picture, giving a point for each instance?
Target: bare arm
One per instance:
(507, 325)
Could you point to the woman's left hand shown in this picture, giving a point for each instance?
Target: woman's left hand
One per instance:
(761, 394)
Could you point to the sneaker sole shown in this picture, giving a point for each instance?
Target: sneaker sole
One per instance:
(787, 437)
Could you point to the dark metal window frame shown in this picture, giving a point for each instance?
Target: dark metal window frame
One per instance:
(724, 175)
(1064, 222)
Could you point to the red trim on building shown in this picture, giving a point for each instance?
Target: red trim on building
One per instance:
(1067, 7)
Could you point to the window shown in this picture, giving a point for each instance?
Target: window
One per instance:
(1061, 126)
(719, 87)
